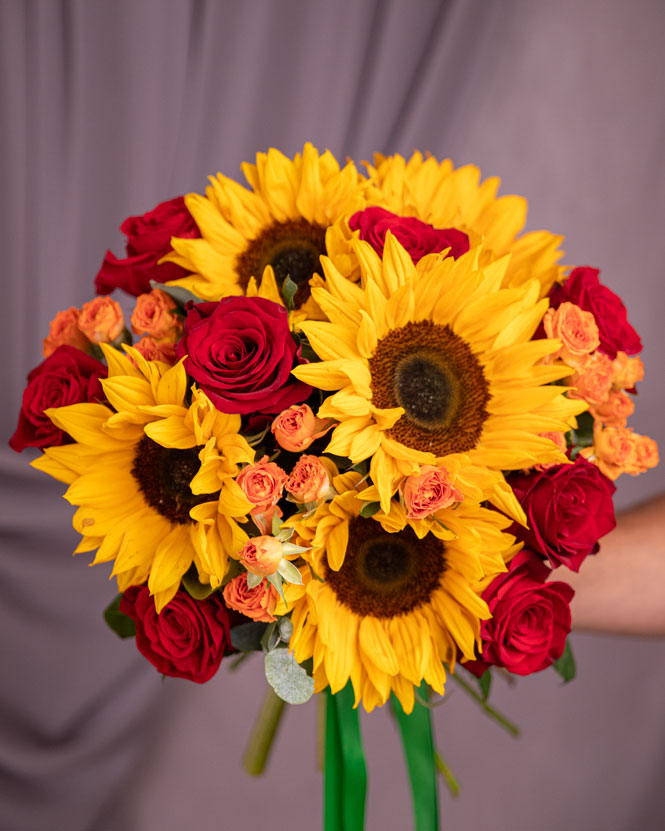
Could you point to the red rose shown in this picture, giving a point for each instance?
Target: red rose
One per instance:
(148, 240)
(417, 237)
(585, 290)
(568, 508)
(67, 376)
(241, 352)
(186, 640)
(530, 618)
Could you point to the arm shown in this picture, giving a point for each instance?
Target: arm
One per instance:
(621, 590)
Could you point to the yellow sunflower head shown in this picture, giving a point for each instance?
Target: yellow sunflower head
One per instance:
(273, 230)
(454, 199)
(433, 360)
(388, 603)
(140, 469)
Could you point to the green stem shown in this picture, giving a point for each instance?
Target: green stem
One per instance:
(495, 714)
(263, 733)
(446, 772)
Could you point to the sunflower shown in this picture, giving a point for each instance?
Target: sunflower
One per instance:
(141, 469)
(435, 360)
(277, 228)
(385, 605)
(444, 197)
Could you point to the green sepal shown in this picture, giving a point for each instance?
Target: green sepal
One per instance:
(194, 587)
(177, 293)
(565, 666)
(121, 624)
(287, 571)
(247, 636)
(369, 509)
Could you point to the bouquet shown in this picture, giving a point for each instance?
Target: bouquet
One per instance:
(351, 423)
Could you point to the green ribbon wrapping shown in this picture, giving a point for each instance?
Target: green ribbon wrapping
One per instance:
(345, 772)
(418, 744)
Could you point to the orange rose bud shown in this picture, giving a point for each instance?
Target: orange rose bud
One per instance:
(646, 451)
(64, 331)
(297, 427)
(593, 380)
(614, 411)
(309, 480)
(153, 316)
(153, 350)
(261, 555)
(576, 329)
(101, 320)
(627, 371)
(429, 491)
(614, 451)
(262, 483)
(257, 603)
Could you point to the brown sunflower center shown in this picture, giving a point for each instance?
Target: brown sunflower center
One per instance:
(292, 248)
(431, 372)
(164, 475)
(386, 575)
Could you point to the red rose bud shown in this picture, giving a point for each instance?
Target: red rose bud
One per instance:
(530, 618)
(241, 352)
(417, 237)
(585, 290)
(187, 639)
(67, 376)
(568, 509)
(148, 240)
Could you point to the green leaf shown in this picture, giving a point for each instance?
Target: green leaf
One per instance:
(287, 678)
(485, 682)
(289, 289)
(195, 588)
(234, 570)
(369, 509)
(565, 666)
(582, 436)
(121, 624)
(177, 293)
(247, 636)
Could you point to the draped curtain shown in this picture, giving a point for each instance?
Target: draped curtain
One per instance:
(110, 106)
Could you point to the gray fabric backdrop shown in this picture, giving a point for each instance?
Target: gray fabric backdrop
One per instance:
(108, 108)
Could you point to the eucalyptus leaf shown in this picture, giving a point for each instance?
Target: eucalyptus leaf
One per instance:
(177, 293)
(247, 636)
(121, 624)
(369, 509)
(271, 637)
(285, 629)
(289, 572)
(565, 666)
(287, 678)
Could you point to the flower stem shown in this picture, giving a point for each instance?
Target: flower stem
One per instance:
(263, 733)
(446, 772)
(495, 714)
